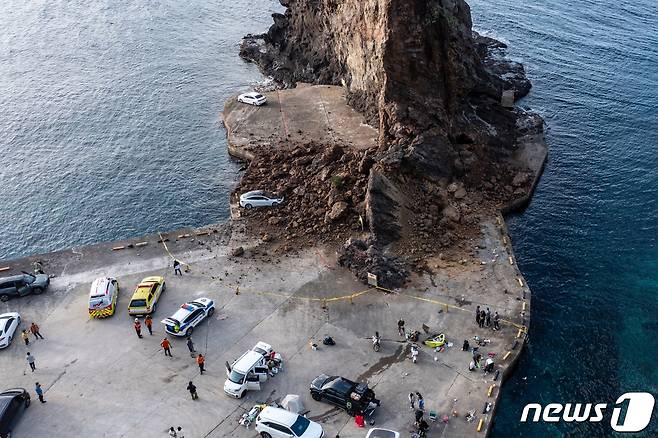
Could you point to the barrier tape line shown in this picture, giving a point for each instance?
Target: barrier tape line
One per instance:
(521, 328)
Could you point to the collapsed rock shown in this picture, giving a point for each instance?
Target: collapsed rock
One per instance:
(363, 258)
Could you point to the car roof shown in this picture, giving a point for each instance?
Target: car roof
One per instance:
(253, 193)
(12, 278)
(9, 315)
(382, 433)
(253, 94)
(340, 384)
(246, 361)
(100, 286)
(279, 415)
(146, 285)
(184, 310)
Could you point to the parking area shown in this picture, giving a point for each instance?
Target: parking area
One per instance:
(102, 380)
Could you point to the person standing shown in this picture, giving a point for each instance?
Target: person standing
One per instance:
(172, 432)
(401, 327)
(138, 328)
(39, 391)
(201, 361)
(477, 315)
(177, 270)
(179, 432)
(496, 321)
(192, 389)
(482, 318)
(412, 401)
(25, 337)
(190, 345)
(166, 346)
(487, 321)
(30, 360)
(148, 322)
(34, 328)
(421, 401)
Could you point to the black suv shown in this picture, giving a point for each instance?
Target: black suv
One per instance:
(355, 398)
(12, 404)
(22, 284)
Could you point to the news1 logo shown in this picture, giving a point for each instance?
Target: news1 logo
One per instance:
(639, 410)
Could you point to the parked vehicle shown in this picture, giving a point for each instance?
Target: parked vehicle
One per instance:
(103, 297)
(12, 404)
(22, 284)
(246, 374)
(351, 396)
(189, 315)
(146, 296)
(252, 98)
(9, 323)
(278, 423)
(259, 198)
(376, 432)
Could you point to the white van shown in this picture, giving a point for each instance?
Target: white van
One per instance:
(246, 374)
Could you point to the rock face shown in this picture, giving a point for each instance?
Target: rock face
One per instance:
(431, 86)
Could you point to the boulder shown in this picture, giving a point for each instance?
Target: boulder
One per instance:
(451, 213)
(237, 252)
(338, 210)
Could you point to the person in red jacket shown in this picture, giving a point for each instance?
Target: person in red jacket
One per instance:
(138, 328)
(166, 346)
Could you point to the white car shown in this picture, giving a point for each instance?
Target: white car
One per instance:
(189, 315)
(382, 433)
(9, 323)
(259, 198)
(252, 98)
(103, 297)
(279, 423)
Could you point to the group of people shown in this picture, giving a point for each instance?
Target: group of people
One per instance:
(484, 319)
(476, 361)
(34, 329)
(419, 413)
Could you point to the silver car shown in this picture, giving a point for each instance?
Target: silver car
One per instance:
(259, 198)
(23, 284)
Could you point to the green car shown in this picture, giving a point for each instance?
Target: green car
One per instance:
(22, 284)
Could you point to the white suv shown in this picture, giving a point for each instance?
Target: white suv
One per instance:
(279, 423)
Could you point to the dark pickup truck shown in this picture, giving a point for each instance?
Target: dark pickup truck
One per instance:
(355, 398)
(22, 284)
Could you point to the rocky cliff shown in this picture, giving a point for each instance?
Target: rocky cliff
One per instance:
(433, 88)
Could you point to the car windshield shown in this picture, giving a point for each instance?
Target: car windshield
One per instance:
(260, 351)
(258, 96)
(138, 303)
(300, 425)
(236, 377)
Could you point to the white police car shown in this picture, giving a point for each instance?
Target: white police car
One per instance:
(189, 315)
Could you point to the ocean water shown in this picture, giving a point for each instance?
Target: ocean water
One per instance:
(587, 242)
(109, 128)
(109, 116)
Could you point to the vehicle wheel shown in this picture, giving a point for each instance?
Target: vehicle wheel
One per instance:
(315, 396)
(248, 206)
(275, 204)
(37, 291)
(241, 394)
(4, 297)
(27, 403)
(9, 340)
(164, 286)
(211, 311)
(153, 308)
(189, 331)
(265, 435)
(376, 347)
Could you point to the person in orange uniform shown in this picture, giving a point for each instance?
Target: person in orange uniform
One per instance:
(166, 346)
(200, 360)
(148, 321)
(138, 328)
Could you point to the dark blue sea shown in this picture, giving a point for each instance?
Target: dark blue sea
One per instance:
(587, 242)
(109, 128)
(109, 116)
